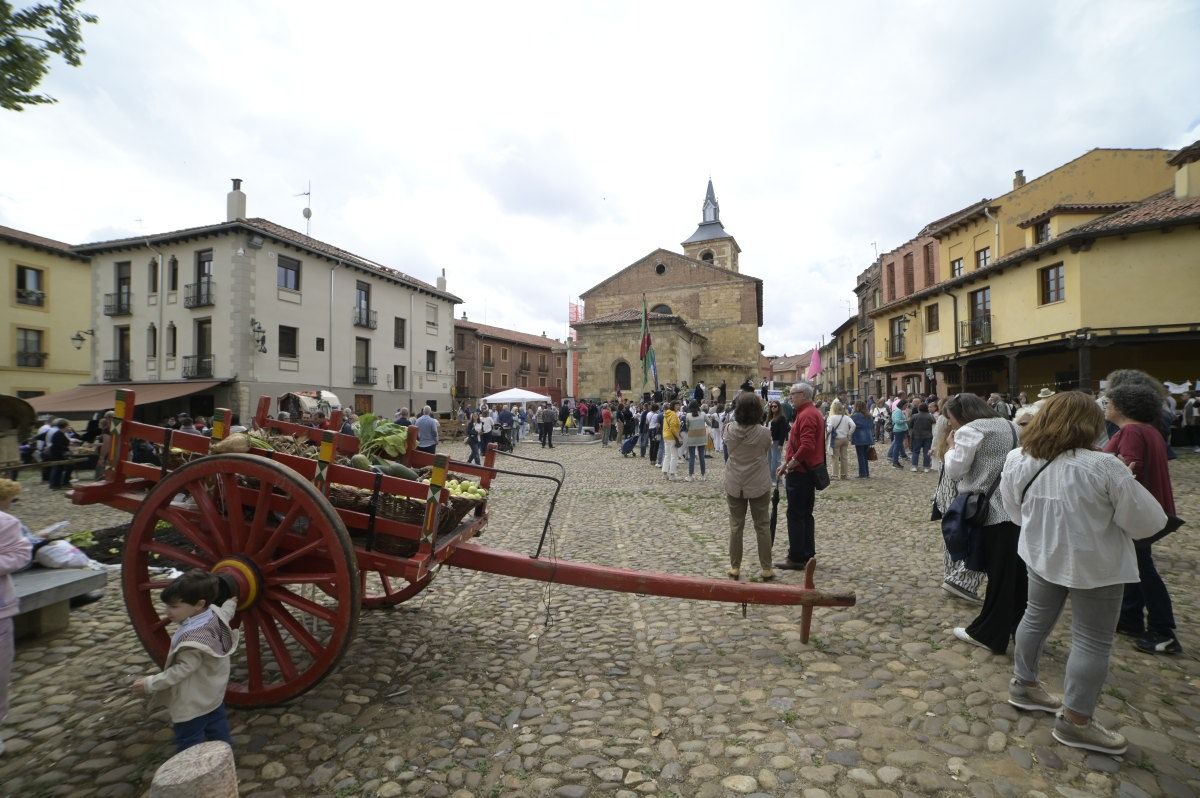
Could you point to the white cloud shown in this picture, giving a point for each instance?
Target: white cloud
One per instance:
(532, 150)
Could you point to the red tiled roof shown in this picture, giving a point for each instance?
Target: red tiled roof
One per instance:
(791, 362)
(956, 218)
(627, 316)
(280, 233)
(20, 237)
(503, 334)
(1098, 207)
(1160, 210)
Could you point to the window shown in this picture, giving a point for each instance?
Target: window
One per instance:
(29, 348)
(558, 362)
(173, 274)
(909, 277)
(152, 276)
(1041, 232)
(124, 280)
(460, 378)
(931, 318)
(890, 281)
(541, 382)
(431, 318)
(204, 265)
(171, 342)
(895, 343)
(558, 384)
(983, 257)
(152, 341)
(504, 380)
(460, 342)
(31, 288)
(287, 273)
(661, 309)
(431, 360)
(504, 354)
(875, 298)
(927, 263)
(1051, 281)
(524, 381)
(542, 362)
(398, 377)
(320, 345)
(956, 267)
(980, 303)
(487, 356)
(362, 295)
(288, 336)
(706, 256)
(487, 379)
(399, 332)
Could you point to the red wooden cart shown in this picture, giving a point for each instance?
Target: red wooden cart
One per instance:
(304, 567)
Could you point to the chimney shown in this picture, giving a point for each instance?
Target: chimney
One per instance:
(441, 281)
(1019, 178)
(1187, 175)
(235, 203)
(464, 318)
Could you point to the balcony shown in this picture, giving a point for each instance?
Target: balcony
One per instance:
(489, 363)
(976, 332)
(199, 295)
(117, 304)
(116, 371)
(30, 296)
(197, 366)
(33, 360)
(543, 369)
(894, 347)
(522, 368)
(461, 390)
(365, 375)
(365, 317)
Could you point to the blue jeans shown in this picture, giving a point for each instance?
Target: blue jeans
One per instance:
(474, 457)
(206, 728)
(1148, 596)
(861, 451)
(773, 458)
(919, 446)
(692, 451)
(644, 441)
(897, 448)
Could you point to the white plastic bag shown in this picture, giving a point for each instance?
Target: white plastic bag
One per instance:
(60, 554)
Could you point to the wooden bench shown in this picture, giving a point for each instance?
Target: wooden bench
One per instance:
(44, 596)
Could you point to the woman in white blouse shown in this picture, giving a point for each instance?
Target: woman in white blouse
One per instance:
(1080, 512)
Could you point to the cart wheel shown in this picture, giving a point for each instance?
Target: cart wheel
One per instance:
(380, 590)
(283, 545)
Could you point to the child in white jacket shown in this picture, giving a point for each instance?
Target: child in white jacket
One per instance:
(194, 677)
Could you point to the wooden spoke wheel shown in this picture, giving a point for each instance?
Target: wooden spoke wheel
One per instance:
(381, 590)
(285, 547)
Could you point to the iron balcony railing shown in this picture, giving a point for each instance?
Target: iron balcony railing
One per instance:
(364, 375)
(894, 347)
(199, 295)
(116, 371)
(975, 332)
(489, 363)
(195, 366)
(117, 304)
(365, 317)
(31, 359)
(30, 296)
(543, 369)
(523, 368)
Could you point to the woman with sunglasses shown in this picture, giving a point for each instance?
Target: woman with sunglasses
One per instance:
(779, 426)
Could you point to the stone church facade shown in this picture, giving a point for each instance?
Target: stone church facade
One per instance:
(704, 316)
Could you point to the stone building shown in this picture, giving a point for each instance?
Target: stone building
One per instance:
(704, 316)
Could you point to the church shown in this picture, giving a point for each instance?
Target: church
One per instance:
(704, 316)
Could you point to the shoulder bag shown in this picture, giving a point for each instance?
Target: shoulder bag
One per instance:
(964, 519)
(819, 473)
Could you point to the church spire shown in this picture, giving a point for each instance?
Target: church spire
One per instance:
(711, 211)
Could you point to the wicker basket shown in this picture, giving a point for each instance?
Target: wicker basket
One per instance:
(401, 508)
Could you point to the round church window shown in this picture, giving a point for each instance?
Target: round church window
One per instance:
(660, 269)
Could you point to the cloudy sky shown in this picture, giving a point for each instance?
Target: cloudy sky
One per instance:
(533, 149)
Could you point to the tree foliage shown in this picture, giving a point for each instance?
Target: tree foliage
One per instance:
(28, 38)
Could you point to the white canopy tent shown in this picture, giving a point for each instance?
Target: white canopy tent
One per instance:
(518, 396)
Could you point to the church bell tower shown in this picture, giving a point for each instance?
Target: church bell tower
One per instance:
(710, 243)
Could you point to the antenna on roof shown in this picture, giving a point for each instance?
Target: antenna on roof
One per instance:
(307, 212)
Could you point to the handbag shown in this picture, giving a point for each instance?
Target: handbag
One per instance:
(965, 517)
(819, 473)
(872, 455)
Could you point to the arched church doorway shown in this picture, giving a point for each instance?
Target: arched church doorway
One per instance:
(621, 376)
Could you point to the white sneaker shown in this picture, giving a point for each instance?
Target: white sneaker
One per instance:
(961, 633)
(926, 470)
(914, 469)
(688, 478)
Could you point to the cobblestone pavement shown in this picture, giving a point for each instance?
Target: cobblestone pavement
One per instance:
(485, 686)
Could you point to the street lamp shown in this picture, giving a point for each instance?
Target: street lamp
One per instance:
(77, 339)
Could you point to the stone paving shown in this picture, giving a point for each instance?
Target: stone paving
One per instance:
(484, 686)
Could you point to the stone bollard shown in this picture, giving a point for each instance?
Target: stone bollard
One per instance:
(202, 771)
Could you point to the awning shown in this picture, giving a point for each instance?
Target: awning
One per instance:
(90, 398)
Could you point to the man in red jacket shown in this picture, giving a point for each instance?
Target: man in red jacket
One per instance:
(805, 449)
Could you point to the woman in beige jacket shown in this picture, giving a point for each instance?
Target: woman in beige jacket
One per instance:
(748, 481)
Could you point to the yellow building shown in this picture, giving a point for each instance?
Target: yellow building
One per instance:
(47, 304)
(1097, 271)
